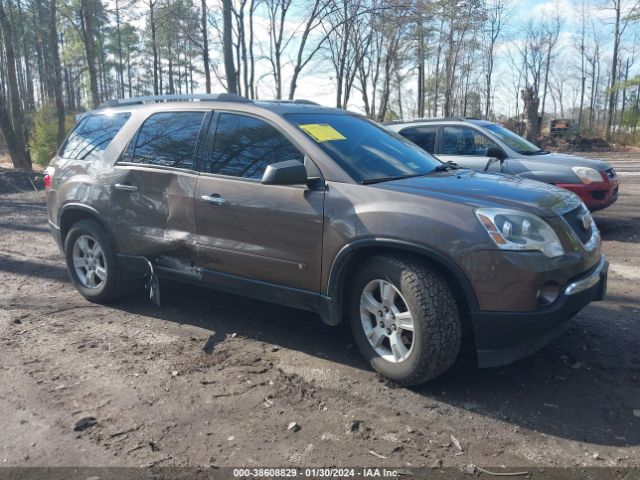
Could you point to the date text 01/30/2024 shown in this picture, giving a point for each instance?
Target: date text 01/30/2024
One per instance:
(314, 472)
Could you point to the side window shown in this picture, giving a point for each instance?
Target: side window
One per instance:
(92, 136)
(168, 139)
(244, 147)
(465, 141)
(423, 136)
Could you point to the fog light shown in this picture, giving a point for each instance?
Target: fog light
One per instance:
(548, 293)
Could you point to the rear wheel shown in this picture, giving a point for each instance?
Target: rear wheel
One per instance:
(91, 261)
(405, 319)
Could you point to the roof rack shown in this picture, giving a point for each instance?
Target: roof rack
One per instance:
(427, 119)
(202, 97)
(299, 101)
(433, 119)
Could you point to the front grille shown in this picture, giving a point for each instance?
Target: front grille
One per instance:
(574, 219)
(611, 173)
(598, 194)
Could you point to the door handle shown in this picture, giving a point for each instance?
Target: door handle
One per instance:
(125, 187)
(215, 199)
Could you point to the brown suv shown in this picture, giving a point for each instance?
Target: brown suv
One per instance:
(323, 210)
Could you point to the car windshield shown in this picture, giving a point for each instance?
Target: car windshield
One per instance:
(368, 152)
(516, 142)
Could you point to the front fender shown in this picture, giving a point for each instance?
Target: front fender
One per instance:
(341, 263)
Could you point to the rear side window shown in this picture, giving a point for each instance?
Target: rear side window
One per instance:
(92, 136)
(244, 147)
(168, 139)
(424, 137)
(465, 141)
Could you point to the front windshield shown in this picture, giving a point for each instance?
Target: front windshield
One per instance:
(365, 150)
(516, 142)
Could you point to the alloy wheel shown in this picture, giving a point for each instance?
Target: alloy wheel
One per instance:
(89, 262)
(387, 321)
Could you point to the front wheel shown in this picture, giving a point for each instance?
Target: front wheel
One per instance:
(405, 318)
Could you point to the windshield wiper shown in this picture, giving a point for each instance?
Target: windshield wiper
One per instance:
(368, 181)
(439, 168)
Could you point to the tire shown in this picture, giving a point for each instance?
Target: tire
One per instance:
(432, 347)
(94, 286)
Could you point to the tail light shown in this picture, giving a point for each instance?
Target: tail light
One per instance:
(48, 175)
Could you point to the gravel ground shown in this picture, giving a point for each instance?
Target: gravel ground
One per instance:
(211, 378)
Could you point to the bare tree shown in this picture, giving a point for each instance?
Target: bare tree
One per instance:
(319, 11)
(620, 25)
(205, 45)
(12, 118)
(583, 70)
(557, 87)
(593, 58)
(533, 52)
(551, 34)
(227, 47)
(277, 10)
(57, 70)
(460, 17)
(421, 53)
(391, 61)
(367, 46)
(531, 104)
(119, 50)
(341, 27)
(437, 69)
(495, 18)
(88, 14)
(151, 5)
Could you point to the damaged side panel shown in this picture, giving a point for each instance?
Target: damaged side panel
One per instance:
(157, 219)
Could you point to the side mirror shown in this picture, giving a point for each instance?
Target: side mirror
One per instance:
(495, 152)
(290, 172)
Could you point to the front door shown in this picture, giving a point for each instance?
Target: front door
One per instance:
(270, 233)
(466, 146)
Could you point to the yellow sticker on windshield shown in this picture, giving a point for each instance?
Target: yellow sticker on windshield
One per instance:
(322, 132)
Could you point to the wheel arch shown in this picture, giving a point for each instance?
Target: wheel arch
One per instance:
(72, 213)
(352, 254)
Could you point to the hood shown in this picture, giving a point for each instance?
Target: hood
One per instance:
(489, 190)
(553, 167)
(556, 160)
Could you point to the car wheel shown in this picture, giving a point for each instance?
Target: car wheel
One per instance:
(91, 261)
(405, 318)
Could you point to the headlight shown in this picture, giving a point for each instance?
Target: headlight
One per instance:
(516, 230)
(587, 175)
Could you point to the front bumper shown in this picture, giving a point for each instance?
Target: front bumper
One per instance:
(597, 195)
(503, 337)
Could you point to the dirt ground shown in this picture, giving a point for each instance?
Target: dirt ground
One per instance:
(214, 379)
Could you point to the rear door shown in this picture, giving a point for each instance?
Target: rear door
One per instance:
(424, 136)
(466, 146)
(271, 233)
(153, 185)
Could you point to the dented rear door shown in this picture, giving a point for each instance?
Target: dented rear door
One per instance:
(153, 186)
